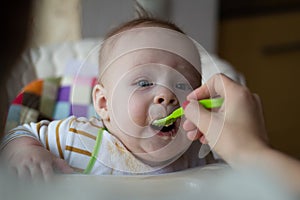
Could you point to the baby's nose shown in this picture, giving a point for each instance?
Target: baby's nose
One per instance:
(166, 97)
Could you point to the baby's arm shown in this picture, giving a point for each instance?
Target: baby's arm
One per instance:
(27, 154)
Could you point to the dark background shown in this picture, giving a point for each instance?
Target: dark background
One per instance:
(262, 40)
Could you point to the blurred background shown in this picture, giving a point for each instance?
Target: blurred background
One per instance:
(260, 39)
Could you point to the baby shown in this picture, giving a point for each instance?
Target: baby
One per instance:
(146, 69)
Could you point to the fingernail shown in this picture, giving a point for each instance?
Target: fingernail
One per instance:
(184, 104)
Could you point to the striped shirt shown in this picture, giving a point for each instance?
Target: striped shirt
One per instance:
(84, 147)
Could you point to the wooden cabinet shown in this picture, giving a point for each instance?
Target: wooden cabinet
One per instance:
(266, 49)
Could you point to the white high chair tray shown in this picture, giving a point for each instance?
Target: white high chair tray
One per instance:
(178, 185)
(215, 181)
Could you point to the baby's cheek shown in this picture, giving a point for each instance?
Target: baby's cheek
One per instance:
(138, 113)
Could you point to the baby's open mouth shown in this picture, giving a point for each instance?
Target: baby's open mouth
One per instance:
(166, 131)
(163, 128)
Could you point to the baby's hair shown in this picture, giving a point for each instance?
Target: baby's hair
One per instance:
(144, 22)
(144, 19)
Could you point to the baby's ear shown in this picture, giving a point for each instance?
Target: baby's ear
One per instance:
(100, 101)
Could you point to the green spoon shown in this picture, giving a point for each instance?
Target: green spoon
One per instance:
(206, 103)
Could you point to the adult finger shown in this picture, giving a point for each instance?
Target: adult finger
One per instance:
(188, 125)
(215, 86)
(198, 115)
(191, 129)
(194, 135)
(260, 110)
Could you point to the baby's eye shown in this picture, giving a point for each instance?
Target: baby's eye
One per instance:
(144, 83)
(183, 86)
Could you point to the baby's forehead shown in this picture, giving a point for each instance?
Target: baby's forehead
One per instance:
(144, 56)
(150, 44)
(154, 64)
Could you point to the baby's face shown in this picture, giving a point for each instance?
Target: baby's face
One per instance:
(143, 86)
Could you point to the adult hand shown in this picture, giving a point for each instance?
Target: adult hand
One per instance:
(234, 130)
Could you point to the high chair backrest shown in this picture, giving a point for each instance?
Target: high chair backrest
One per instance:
(52, 98)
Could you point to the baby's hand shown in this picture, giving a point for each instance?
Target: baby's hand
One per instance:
(29, 160)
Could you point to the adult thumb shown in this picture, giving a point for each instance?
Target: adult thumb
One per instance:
(198, 115)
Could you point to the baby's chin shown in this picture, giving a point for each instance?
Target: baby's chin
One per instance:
(159, 161)
(162, 156)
